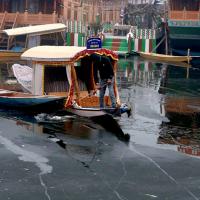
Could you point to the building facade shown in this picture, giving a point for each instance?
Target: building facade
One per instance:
(28, 12)
(14, 13)
(92, 11)
(18, 13)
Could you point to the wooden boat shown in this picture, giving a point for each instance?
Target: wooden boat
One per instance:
(67, 71)
(163, 57)
(23, 101)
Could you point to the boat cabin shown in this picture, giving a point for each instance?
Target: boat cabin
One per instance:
(121, 30)
(68, 71)
(29, 36)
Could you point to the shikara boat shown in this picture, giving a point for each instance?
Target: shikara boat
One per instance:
(67, 71)
(163, 57)
(31, 32)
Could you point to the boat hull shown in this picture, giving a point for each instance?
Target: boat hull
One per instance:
(23, 101)
(162, 57)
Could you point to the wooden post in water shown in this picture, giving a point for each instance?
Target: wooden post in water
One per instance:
(165, 27)
(188, 55)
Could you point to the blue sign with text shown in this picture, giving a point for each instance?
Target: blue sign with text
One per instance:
(94, 43)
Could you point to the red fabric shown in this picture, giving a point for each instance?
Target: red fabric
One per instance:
(87, 52)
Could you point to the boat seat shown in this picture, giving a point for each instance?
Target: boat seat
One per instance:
(93, 101)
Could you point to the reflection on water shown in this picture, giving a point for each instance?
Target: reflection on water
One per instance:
(67, 125)
(138, 72)
(165, 102)
(158, 90)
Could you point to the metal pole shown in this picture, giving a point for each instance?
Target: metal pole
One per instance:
(188, 55)
(165, 24)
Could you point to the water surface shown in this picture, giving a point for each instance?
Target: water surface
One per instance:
(146, 86)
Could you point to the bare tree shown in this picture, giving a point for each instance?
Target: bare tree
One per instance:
(143, 15)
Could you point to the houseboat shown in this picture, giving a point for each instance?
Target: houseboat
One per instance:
(184, 26)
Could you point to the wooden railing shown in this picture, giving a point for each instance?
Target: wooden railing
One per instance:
(2, 19)
(15, 20)
(184, 15)
(10, 39)
(30, 19)
(39, 18)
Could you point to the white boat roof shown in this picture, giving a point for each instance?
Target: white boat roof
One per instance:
(36, 29)
(52, 53)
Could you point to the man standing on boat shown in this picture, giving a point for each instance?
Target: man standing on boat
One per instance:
(104, 77)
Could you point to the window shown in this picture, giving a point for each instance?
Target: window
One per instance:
(75, 15)
(34, 6)
(69, 13)
(17, 6)
(111, 16)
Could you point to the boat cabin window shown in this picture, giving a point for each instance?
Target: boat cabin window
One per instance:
(55, 79)
(85, 72)
(118, 32)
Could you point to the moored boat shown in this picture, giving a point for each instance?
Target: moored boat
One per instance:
(163, 57)
(79, 80)
(34, 103)
(32, 33)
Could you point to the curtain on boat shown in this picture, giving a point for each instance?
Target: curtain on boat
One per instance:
(38, 79)
(23, 75)
(33, 41)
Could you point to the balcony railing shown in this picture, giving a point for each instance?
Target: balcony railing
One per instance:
(29, 18)
(184, 15)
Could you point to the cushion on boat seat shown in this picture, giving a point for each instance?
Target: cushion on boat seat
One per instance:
(93, 101)
(60, 94)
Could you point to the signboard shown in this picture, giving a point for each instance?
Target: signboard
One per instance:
(94, 43)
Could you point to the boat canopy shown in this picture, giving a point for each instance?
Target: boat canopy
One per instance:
(36, 30)
(66, 54)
